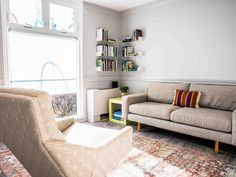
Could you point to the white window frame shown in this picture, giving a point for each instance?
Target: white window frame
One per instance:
(45, 30)
(45, 19)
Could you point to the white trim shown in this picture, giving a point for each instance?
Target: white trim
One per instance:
(20, 28)
(4, 19)
(81, 103)
(152, 79)
(102, 78)
(46, 20)
(100, 9)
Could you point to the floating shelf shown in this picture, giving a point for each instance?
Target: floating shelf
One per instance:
(111, 43)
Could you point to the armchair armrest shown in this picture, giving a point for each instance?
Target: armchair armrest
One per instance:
(97, 160)
(64, 123)
(234, 128)
(131, 99)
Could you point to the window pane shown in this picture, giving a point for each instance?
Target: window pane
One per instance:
(61, 18)
(43, 62)
(26, 12)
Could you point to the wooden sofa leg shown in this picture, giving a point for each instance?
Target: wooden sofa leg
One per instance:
(139, 127)
(216, 147)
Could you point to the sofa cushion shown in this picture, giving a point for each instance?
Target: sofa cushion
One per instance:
(164, 92)
(221, 97)
(204, 118)
(152, 109)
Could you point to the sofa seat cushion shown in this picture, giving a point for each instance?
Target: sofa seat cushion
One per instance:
(205, 118)
(152, 109)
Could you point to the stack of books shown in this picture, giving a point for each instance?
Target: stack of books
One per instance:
(106, 65)
(101, 35)
(117, 115)
(106, 50)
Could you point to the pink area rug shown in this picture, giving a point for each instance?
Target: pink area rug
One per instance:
(160, 154)
(9, 165)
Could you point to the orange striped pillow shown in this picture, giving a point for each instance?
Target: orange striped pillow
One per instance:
(185, 98)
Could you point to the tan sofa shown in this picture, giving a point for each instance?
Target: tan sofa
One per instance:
(214, 120)
(28, 128)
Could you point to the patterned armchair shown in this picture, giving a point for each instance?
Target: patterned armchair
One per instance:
(30, 131)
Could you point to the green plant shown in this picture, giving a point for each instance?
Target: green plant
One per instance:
(124, 89)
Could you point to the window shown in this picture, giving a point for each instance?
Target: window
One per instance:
(51, 17)
(44, 62)
(43, 50)
(61, 18)
(30, 15)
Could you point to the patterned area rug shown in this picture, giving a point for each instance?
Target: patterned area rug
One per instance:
(162, 153)
(9, 165)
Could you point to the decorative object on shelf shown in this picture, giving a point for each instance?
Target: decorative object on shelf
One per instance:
(106, 52)
(137, 35)
(129, 65)
(127, 39)
(124, 90)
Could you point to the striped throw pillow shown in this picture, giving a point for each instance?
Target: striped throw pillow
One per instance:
(185, 98)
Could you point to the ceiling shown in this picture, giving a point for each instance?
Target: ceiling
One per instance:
(119, 5)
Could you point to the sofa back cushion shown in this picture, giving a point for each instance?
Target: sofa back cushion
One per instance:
(221, 97)
(164, 92)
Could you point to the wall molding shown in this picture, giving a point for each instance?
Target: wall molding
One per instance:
(146, 7)
(101, 78)
(152, 79)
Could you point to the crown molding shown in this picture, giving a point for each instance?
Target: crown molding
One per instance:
(101, 9)
(146, 7)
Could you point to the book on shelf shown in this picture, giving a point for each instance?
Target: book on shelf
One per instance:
(106, 65)
(106, 50)
(101, 34)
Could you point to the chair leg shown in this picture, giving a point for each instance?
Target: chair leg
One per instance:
(139, 127)
(216, 147)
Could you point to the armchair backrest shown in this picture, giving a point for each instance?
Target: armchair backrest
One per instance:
(26, 122)
(47, 122)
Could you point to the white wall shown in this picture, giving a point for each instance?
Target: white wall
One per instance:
(94, 17)
(191, 40)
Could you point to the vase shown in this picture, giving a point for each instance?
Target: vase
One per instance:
(123, 94)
